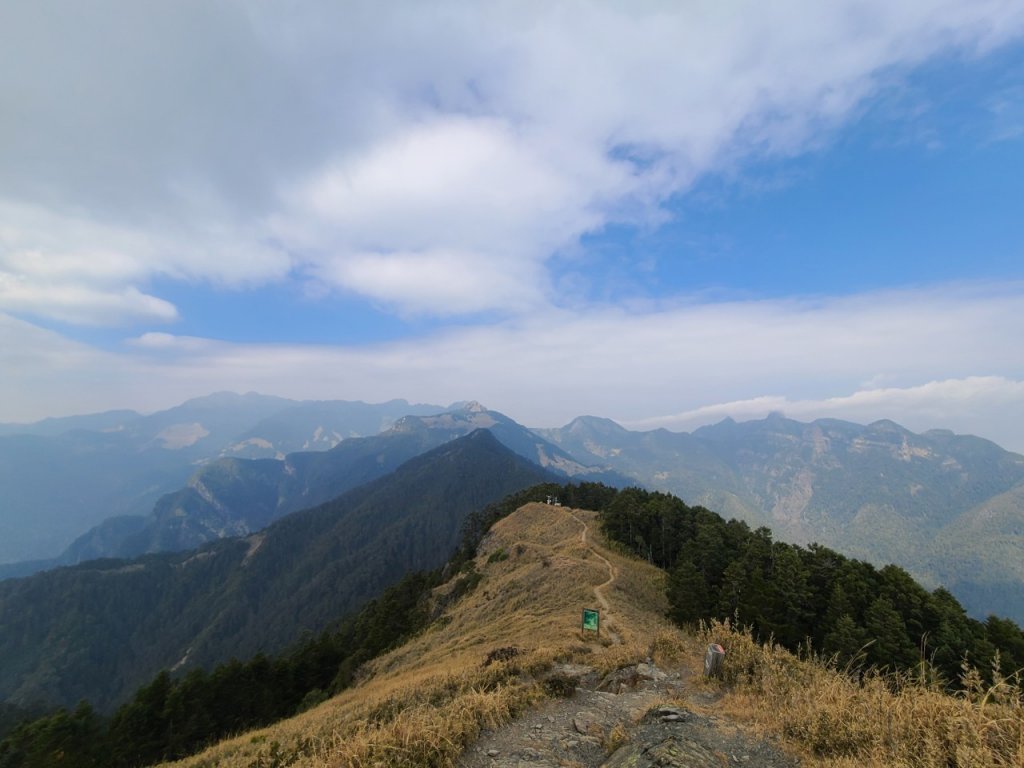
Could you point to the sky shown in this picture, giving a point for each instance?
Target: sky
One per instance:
(664, 213)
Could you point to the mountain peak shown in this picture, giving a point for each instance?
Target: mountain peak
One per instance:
(468, 406)
(595, 424)
(886, 425)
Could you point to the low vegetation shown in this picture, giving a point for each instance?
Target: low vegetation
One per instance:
(846, 716)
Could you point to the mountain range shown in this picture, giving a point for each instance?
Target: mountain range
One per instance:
(949, 508)
(101, 629)
(60, 477)
(236, 496)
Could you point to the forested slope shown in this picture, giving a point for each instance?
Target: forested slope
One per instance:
(101, 629)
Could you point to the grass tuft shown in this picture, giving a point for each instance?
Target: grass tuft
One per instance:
(874, 718)
(615, 738)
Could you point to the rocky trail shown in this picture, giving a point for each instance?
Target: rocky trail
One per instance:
(636, 717)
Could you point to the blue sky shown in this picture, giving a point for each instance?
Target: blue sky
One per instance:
(663, 214)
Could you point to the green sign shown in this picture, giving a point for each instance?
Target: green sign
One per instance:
(591, 620)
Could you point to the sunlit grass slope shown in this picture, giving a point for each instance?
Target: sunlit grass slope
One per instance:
(876, 720)
(420, 704)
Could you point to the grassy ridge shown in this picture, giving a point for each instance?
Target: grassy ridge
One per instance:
(423, 702)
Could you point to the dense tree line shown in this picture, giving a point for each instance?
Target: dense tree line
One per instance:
(877, 616)
(12, 714)
(172, 717)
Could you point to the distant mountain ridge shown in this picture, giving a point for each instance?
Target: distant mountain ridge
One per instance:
(948, 507)
(465, 417)
(59, 477)
(237, 496)
(877, 492)
(100, 629)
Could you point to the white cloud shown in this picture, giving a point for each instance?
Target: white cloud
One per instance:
(45, 373)
(452, 216)
(441, 282)
(988, 406)
(435, 174)
(245, 143)
(81, 304)
(167, 342)
(69, 267)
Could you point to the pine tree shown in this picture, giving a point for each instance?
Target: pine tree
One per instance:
(892, 646)
(846, 640)
(687, 594)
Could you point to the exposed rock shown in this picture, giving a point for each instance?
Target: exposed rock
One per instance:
(563, 679)
(671, 752)
(577, 671)
(667, 714)
(646, 711)
(619, 680)
(587, 724)
(649, 672)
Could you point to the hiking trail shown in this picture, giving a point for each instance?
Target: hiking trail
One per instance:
(599, 589)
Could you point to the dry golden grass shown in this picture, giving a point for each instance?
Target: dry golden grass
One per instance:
(881, 720)
(421, 704)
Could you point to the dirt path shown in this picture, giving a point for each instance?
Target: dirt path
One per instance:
(599, 589)
(644, 725)
(637, 716)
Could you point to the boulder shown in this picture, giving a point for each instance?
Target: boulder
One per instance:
(671, 752)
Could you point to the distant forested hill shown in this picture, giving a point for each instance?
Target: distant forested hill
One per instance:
(60, 477)
(101, 629)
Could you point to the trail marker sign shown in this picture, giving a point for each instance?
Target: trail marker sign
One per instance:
(591, 620)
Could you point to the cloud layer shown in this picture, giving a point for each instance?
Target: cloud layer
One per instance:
(433, 159)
